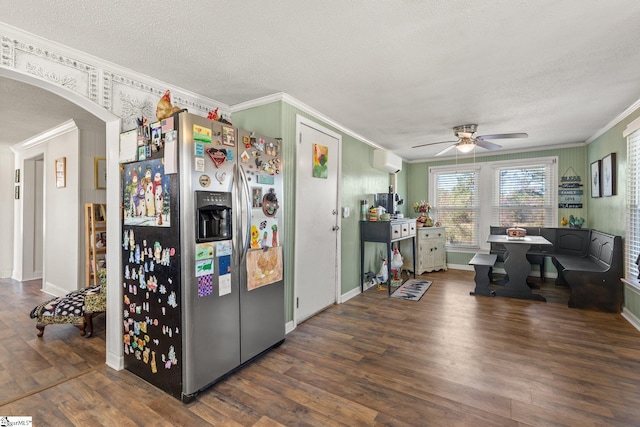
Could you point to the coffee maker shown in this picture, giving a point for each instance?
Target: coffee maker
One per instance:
(389, 201)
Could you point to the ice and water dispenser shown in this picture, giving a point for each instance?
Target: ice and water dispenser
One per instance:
(213, 216)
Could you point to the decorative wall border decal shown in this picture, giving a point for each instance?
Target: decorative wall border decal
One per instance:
(41, 62)
(126, 94)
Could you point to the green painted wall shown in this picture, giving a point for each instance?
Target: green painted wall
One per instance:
(571, 161)
(268, 120)
(359, 181)
(608, 213)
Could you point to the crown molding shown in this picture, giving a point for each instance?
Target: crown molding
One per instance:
(614, 122)
(45, 136)
(283, 97)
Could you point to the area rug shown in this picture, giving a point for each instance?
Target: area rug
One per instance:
(412, 289)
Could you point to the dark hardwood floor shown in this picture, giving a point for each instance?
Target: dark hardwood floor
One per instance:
(450, 359)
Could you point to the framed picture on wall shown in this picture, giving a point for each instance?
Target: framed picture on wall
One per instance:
(60, 167)
(595, 178)
(100, 172)
(609, 175)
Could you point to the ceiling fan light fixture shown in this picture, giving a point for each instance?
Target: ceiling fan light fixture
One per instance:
(465, 146)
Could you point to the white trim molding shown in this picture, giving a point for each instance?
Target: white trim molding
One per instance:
(289, 327)
(283, 97)
(615, 121)
(631, 127)
(631, 318)
(352, 293)
(45, 136)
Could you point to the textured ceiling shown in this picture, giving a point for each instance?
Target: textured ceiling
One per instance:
(26, 111)
(399, 73)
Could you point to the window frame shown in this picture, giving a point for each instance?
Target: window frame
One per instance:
(632, 205)
(487, 177)
(465, 168)
(551, 188)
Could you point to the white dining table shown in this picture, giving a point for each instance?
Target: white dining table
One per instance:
(517, 266)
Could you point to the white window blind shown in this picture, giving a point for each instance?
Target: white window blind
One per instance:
(632, 237)
(524, 195)
(468, 199)
(456, 204)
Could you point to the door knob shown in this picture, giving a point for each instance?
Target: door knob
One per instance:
(335, 228)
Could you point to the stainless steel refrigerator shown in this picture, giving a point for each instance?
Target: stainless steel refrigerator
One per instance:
(203, 275)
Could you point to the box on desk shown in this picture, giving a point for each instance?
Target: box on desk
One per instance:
(516, 233)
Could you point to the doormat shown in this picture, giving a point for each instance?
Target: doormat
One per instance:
(412, 289)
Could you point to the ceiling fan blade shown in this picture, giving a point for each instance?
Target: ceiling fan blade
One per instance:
(445, 150)
(488, 145)
(504, 136)
(434, 143)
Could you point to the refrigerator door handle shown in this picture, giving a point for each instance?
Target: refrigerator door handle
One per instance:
(247, 206)
(236, 208)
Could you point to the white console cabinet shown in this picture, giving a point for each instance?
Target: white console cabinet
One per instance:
(430, 250)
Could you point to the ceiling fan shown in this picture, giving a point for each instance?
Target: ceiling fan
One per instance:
(468, 140)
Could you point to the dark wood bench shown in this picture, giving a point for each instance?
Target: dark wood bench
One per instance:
(594, 278)
(483, 265)
(566, 241)
(588, 261)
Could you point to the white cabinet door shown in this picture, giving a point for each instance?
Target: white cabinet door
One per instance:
(431, 254)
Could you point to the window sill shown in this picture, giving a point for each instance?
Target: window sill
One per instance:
(634, 285)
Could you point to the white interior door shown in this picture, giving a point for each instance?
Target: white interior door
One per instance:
(316, 278)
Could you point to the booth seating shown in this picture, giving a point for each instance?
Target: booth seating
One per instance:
(567, 241)
(75, 308)
(588, 261)
(594, 278)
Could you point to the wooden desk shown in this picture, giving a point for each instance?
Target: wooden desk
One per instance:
(517, 266)
(387, 232)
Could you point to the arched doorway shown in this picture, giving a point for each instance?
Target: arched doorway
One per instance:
(112, 130)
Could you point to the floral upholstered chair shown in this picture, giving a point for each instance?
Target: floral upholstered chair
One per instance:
(95, 302)
(75, 308)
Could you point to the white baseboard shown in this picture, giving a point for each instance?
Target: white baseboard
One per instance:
(115, 361)
(534, 273)
(352, 293)
(631, 318)
(56, 291)
(289, 327)
(466, 267)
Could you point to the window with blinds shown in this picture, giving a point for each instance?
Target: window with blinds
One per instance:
(513, 193)
(524, 196)
(632, 237)
(456, 205)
